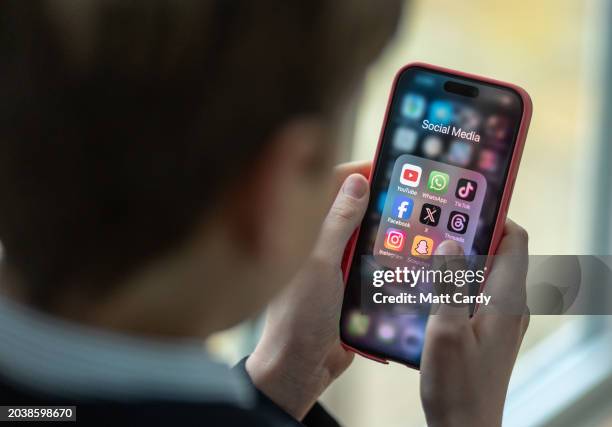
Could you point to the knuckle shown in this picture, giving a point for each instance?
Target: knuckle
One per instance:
(343, 211)
(517, 325)
(522, 234)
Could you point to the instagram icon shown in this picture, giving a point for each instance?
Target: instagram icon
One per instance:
(395, 239)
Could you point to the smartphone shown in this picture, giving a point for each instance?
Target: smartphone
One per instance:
(445, 167)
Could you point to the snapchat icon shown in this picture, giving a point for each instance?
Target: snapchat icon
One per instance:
(422, 246)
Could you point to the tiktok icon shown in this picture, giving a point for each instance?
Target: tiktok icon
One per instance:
(466, 190)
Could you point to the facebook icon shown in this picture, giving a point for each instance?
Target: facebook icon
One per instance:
(402, 207)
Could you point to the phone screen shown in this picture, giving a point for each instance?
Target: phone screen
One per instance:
(442, 165)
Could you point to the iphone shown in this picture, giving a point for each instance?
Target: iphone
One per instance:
(444, 169)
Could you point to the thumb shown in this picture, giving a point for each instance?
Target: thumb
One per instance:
(343, 218)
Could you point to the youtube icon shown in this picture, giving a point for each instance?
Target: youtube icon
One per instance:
(411, 175)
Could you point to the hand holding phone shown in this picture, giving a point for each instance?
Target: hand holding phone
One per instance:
(467, 362)
(300, 352)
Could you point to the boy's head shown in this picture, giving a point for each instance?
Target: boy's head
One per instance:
(194, 135)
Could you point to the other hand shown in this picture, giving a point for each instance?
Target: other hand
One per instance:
(300, 353)
(467, 362)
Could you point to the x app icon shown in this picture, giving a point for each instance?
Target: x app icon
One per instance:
(430, 214)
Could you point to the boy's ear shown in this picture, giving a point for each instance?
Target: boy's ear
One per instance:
(297, 157)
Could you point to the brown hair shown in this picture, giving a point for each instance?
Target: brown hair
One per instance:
(122, 120)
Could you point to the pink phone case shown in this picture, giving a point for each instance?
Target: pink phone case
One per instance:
(508, 187)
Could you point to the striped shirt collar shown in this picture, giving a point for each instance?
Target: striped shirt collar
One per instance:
(61, 358)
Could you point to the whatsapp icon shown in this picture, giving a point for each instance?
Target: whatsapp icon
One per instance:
(438, 182)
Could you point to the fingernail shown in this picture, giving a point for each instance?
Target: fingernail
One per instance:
(355, 186)
(449, 247)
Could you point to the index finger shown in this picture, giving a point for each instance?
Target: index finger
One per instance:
(506, 284)
(449, 257)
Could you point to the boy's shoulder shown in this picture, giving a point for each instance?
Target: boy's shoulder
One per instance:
(143, 411)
